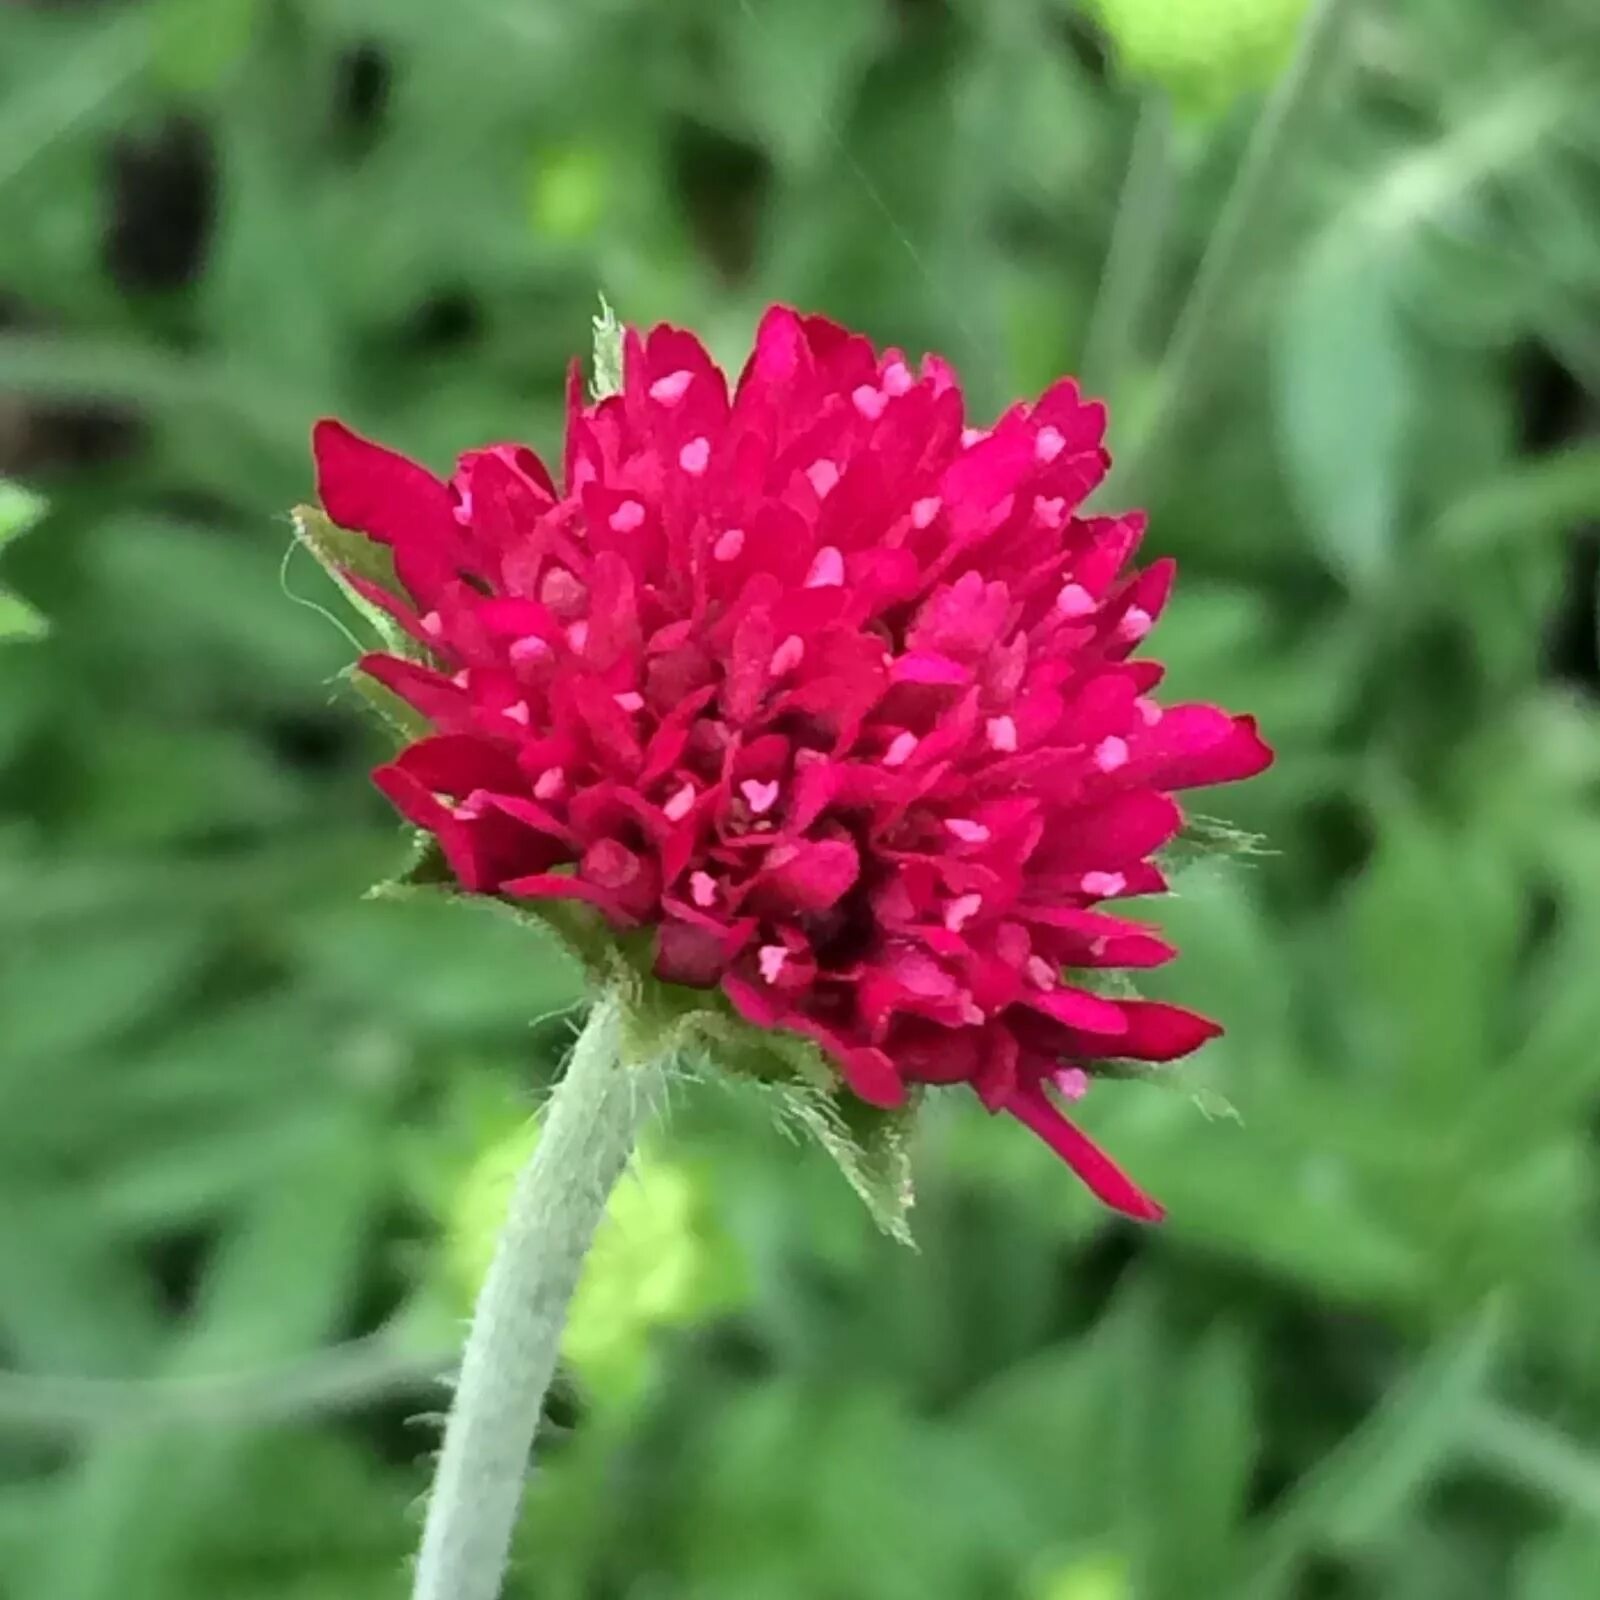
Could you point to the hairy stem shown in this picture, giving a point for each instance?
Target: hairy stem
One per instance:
(1202, 321)
(559, 1200)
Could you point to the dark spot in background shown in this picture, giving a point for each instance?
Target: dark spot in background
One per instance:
(1556, 412)
(446, 321)
(724, 184)
(163, 206)
(363, 83)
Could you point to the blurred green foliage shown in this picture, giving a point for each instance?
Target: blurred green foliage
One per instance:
(1361, 1360)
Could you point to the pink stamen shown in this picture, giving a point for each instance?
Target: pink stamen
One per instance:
(668, 391)
(630, 700)
(529, 649)
(772, 958)
(1049, 444)
(1051, 512)
(827, 570)
(869, 401)
(897, 378)
(924, 511)
(1135, 623)
(518, 713)
(1074, 601)
(1002, 734)
(680, 805)
(729, 544)
(1103, 884)
(433, 624)
(703, 889)
(1111, 753)
(550, 783)
(695, 456)
(760, 797)
(823, 477)
(1072, 1083)
(967, 831)
(1042, 972)
(788, 655)
(961, 911)
(626, 517)
(1149, 711)
(901, 749)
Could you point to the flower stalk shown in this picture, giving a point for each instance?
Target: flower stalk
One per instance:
(594, 1119)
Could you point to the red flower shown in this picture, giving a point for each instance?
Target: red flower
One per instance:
(825, 687)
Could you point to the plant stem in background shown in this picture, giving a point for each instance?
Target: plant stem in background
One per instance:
(559, 1200)
(1134, 251)
(1201, 323)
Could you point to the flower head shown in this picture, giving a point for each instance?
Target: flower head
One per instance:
(829, 691)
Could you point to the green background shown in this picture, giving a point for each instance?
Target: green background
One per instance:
(239, 1104)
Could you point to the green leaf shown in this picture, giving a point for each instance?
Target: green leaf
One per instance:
(19, 620)
(19, 511)
(1361, 1488)
(1342, 384)
(342, 554)
(871, 1147)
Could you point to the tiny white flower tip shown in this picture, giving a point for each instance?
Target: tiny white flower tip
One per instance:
(897, 378)
(788, 655)
(626, 517)
(668, 391)
(972, 436)
(518, 713)
(901, 749)
(679, 806)
(961, 911)
(772, 958)
(1049, 444)
(827, 570)
(1074, 601)
(432, 624)
(1042, 973)
(924, 511)
(1002, 734)
(869, 401)
(630, 700)
(972, 1013)
(823, 476)
(760, 797)
(1103, 884)
(1149, 711)
(578, 636)
(471, 808)
(729, 544)
(967, 831)
(1135, 624)
(550, 783)
(1111, 753)
(695, 456)
(703, 889)
(462, 678)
